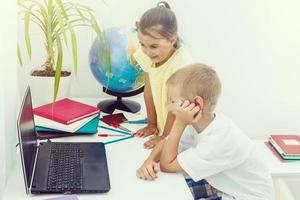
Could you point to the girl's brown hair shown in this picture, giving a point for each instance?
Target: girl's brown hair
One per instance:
(161, 20)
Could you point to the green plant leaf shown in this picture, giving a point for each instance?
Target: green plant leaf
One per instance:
(50, 39)
(62, 8)
(97, 29)
(74, 48)
(80, 13)
(62, 27)
(27, 37)
(58, 66)
(107, 53)
(19, 55)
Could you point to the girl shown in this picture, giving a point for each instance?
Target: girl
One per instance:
(160, 55)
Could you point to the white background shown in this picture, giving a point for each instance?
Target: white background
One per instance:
(8, 89)
(253, 45)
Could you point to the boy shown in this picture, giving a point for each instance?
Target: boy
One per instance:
(220, 160)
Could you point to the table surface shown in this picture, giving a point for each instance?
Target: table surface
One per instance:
(123, 159)
(277, 168)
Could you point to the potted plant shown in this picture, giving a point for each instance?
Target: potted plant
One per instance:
(57, 21)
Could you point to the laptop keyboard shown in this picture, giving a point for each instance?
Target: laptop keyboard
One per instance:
(65, 167)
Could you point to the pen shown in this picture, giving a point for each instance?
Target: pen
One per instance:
(124, 129)
(118, 125)
(106, 135)
(116, 130)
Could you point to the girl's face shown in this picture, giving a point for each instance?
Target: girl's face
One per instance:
(157, 48)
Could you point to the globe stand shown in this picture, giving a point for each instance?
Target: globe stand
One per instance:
(109, 106)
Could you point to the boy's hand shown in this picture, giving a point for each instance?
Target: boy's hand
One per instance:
(185, 112)
(150, 129)
(148, 171)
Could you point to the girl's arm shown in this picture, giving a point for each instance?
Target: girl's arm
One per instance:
(151, 128)
(151, 113)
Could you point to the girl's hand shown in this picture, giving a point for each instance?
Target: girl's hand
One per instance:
(150, 129)
(185, 112)
(153, 140)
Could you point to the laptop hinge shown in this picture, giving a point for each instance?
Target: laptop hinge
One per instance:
(34, 164)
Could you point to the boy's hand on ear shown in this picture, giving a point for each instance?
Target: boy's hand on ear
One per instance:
(186, 112)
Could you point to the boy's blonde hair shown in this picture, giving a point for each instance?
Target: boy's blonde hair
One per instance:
(198, 80)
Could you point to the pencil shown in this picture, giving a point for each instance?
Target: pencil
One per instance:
(112, 129)
(118, 140)
(106, 134)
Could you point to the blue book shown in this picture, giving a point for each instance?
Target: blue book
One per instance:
(91, 128)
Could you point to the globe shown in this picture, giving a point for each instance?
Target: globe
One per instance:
(125, 78)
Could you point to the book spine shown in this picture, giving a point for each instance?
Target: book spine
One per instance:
(82, 117)
(277, 148)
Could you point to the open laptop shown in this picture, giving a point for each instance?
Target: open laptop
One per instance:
(59, 167)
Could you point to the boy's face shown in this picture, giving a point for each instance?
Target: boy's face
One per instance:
(173, 96)
(157, 48)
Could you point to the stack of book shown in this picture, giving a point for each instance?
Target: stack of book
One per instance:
(287, 146)
(65, 117)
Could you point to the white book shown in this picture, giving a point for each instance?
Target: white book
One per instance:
(47, 123)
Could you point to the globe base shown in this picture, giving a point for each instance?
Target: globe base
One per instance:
(109, 106)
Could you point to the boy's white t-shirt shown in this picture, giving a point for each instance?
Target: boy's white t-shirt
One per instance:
(228, 160)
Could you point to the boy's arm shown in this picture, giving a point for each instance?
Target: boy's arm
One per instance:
(150, 167)
(168, 161)
(185, 113)
(169, 123)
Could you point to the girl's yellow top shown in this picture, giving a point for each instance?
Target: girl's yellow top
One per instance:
(158, 77)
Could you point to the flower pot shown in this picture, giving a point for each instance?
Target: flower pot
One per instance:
(42, 89)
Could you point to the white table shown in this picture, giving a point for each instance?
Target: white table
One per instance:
(123, 159)
(277, 168)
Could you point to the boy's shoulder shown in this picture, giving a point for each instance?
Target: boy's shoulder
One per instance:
(222, 128)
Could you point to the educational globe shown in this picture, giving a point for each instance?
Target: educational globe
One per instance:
(125, 73)
(124, 77)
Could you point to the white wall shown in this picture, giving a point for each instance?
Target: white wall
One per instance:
(8, 89)
(2, 138)
(252, 44)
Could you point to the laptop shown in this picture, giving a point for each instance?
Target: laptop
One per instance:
(59, 167)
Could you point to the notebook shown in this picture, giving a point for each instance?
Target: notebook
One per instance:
(47, 123)
(90, 127)
(66, 111)
(288, 146)
(59, 167)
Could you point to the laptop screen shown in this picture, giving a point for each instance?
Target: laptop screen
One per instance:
(27, 138)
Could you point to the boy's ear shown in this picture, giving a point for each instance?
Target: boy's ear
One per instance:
(199, 101)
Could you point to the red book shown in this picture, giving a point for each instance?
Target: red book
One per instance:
(288, 144)
(65, 111)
